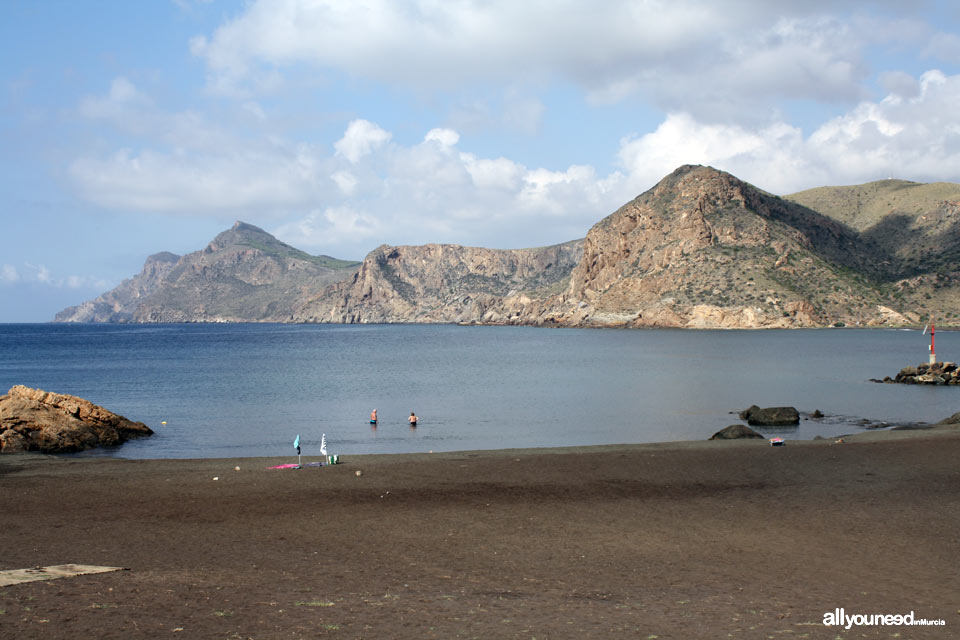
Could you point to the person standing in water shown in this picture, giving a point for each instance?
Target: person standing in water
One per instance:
(373, 417)
(412, 419)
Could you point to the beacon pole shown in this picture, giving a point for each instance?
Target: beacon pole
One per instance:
(933, 344)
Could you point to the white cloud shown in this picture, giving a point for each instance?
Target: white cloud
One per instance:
(122, 97)
(133, 112)
(499, 173)
(39, 274)
(445, 137)
(733, 59)
(254, 109)
(360, 138)
(348, 222)
(87, 282)
(913, 137)
(431, 192)
(945, 46)
(346, 181)
(764, 156)
(9, 274)
(372, 190)
(265, 180)
(343, 227)
(899, 83)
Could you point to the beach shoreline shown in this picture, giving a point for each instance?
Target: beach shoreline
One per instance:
(700, 539)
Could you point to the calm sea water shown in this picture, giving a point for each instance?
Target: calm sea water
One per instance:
(248, 390)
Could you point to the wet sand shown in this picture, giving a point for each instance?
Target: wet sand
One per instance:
(684, 540)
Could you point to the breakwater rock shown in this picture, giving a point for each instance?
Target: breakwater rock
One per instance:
(935, 373)
(36, 420)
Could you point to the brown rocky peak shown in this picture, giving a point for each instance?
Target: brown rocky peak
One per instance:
(703, 248)
(707, 189)
(657, 228)
(161, 258)
(239, 233)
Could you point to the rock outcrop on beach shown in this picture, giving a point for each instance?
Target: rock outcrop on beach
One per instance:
(770, 416)
(701, 249)
(736, 432)
(927, 373)
(952, 420)
(36, 420)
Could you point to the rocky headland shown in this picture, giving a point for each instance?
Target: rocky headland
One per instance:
(242, 275)
(701, 249)
(120, 304)
(36, 420)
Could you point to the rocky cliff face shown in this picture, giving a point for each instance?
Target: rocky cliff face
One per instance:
(444, 283)
(243, 275)
(35, 420)
(119, 304)
(701, 249)
(704, 249)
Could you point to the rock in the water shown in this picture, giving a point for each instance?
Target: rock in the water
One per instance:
(35, 420)
(734, 432)
(928, 373)
(771, 416)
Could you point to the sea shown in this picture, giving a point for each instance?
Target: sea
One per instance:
(246, 390)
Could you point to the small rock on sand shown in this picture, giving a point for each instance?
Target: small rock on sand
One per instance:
(735, 431)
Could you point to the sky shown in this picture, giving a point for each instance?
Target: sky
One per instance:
(130, 128)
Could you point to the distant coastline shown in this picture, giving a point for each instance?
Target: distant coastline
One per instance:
(701, 249)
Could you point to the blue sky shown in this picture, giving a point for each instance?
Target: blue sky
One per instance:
(130, 128)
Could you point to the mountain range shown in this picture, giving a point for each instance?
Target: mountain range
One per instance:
(700, 249)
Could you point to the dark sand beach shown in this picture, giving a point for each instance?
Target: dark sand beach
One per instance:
(685, 540)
